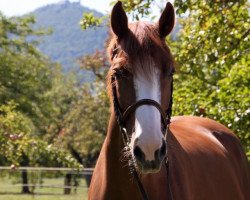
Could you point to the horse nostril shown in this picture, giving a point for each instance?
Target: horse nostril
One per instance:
(161, 152)
(163, 149)
(139, 154)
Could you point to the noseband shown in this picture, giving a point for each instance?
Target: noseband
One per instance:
(122, 116)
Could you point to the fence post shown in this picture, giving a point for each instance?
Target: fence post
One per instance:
(25, 187)
(67, 183)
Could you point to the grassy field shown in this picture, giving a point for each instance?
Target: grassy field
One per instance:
(11, 191)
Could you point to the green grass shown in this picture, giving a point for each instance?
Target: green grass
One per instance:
(12, 191)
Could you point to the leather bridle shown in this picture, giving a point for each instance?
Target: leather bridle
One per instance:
(122, 116)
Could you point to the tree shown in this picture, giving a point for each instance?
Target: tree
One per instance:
(33, 95)
(84, 126)
(25, 72)
(211, 51)
(19, 147)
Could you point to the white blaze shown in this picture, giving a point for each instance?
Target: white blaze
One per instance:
(147, 118)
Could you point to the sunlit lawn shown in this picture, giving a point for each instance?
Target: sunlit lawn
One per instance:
(10, 191)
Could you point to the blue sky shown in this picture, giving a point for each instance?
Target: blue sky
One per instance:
(20, 7)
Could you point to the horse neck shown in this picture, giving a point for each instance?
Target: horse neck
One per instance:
(113, 152)
(117, 172)
(113, 142)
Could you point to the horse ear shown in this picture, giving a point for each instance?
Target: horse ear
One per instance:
(119, 20)
(167, 20)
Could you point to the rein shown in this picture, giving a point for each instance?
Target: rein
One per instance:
(122, 116)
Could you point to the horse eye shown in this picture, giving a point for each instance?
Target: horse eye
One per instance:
(119, 73)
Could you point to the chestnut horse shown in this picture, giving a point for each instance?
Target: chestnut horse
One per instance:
(205, 159)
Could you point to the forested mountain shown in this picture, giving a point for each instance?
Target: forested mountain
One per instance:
(68, 42)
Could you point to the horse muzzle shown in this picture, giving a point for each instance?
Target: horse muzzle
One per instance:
(149, 166)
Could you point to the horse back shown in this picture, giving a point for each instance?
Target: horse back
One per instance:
(206, 161)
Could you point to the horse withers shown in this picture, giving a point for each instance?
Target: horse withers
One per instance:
(205, 160)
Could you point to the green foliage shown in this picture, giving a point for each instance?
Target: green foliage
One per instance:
(90, 21)
(18, 146)
(211, 52)
(138, 8)
(24, 72)
(85, 125)
(33, 96)
(14, 126)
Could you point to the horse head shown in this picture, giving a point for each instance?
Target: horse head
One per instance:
(143, 66)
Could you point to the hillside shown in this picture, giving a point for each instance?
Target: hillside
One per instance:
(67, 42)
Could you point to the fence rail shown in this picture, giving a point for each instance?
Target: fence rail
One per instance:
(42, 186)
(81, 171)
(51, 179)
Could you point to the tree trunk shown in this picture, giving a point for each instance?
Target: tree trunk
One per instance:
(25, 187)
(67, 183)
